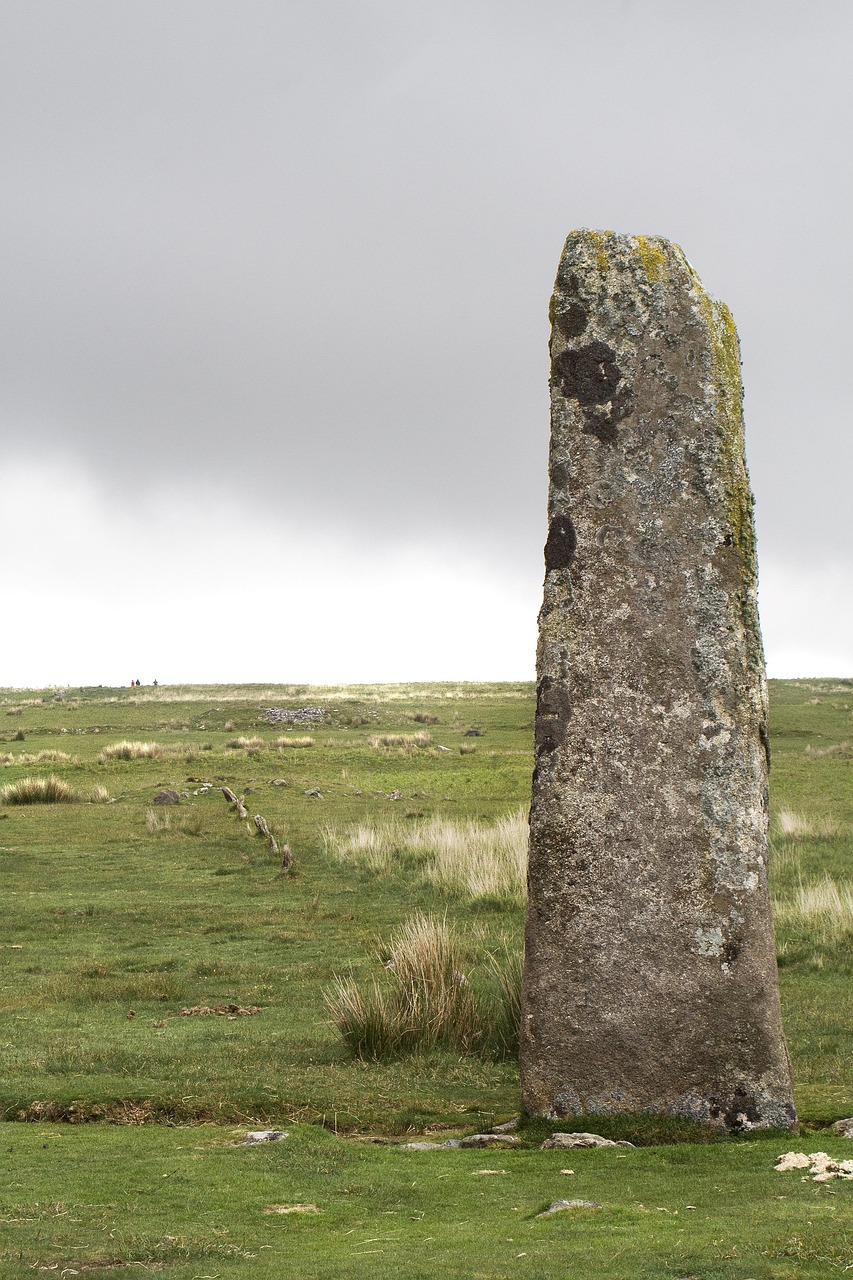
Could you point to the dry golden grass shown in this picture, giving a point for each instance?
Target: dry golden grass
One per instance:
(408, 741)
(800, 826)
(48, 756)
(99, 795)
(132, 751)
(45, 790)
(843, 749)
(288, 741)
(246, 744)
(471, 858)
(825, 906)
(429, 999)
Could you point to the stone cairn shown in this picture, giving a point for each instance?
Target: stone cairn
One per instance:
(650, 979)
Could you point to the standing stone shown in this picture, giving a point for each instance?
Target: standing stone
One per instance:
(650, 972)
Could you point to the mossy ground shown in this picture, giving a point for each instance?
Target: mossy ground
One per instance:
(102, 918)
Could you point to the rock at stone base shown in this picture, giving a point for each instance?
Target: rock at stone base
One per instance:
(167, 797)
(421, 1146)
(844, 1128)
(560, 1206)
(254, 1136)
(488, 1140)
(580, 1140)
(508, 1126)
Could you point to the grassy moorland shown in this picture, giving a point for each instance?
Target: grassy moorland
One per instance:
(117, 915)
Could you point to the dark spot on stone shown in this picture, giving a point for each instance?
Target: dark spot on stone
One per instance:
(559, 475)
(738, 1112)
(731, 950)
(570, 318)
(588, 374)
(553, 713)
(728, 540)
(765, 741)
(562, 543)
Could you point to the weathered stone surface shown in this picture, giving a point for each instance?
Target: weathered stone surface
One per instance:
(489, 1140)
(561, 1140)
(560, 1206)
(844, 1128)
(167, 797)
(650, 974)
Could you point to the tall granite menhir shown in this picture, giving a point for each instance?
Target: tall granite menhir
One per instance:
(650, 973)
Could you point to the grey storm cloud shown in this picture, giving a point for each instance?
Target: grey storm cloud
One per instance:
(306, 250)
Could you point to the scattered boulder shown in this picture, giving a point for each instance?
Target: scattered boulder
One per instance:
(315, 792)
(508, 1126)
(473, 733)
(581, 1140)
(844, 1128)
(821, 1167)
(167, 797)
(254, 1136)
(422, 1146)
(488, 1140)
(560, 1206)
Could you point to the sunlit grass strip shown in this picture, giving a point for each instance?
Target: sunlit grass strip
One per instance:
(472, 858)
(46, 790)
(429, 997)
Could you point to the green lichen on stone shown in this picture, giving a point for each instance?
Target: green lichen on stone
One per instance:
(598, 244)
(727, 381)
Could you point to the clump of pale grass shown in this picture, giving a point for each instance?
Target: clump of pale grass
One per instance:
(472, 858)
(428, 998)
(843, 749)
(801, 826)
(246, 744)
(132, 751)
(288, 741)
(48, 756)
(424, 717)
(825, 906)
(99, 795)
(408, 741)
(44, 790)
(157, 820)
(6, 757)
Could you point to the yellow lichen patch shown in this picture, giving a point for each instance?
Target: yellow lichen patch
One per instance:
(653, 257)
(598, 244)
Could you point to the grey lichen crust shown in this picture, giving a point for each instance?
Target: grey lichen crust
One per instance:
(650, 973)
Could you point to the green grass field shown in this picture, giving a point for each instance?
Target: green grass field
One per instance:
(118, 914)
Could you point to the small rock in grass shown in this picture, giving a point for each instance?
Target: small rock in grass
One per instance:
(422, 1146)
(560, 1206)
(291, 1208)
(167, 797)
(567, 1171)
(792, 1160)
(508, 1126)
(255, 1136)
(488, 1140)
(581, 1140)
(844, 1128)
(315, 792)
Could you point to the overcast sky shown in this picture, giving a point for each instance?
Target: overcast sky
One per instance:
(274, 280)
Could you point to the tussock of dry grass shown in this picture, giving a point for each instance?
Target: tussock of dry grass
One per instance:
(825, 906)
(428, 998)
(46, 790)
(472, 858)
(408, 741)
(6, 758)
(800, 826)
(843, 749)
(99, 795)
(289, 741)
(132, 751)
(48, 756)
(246, 744)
